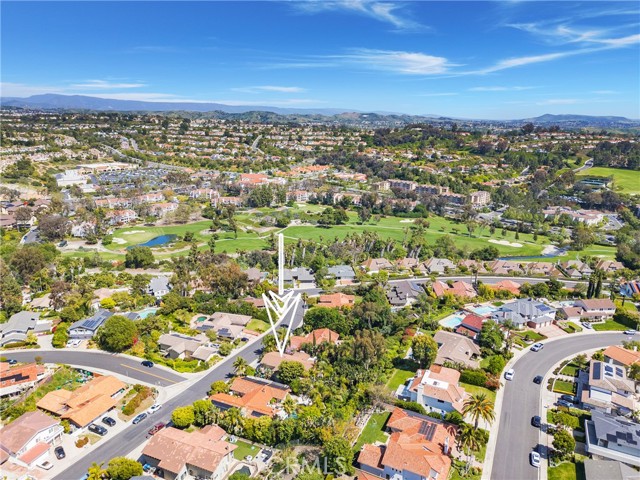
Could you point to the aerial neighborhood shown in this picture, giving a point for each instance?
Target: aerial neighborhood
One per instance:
(213, 297)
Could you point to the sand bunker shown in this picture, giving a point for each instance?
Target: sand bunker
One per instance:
(132, 232)
(506, 243)
(119, 241)
(408, 220)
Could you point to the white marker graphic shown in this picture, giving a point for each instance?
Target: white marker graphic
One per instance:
(278, 306)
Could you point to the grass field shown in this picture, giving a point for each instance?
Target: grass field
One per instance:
(601, 251)
(570, 369)
(398, 378)
(474, 390)
(372, 432)
(257, 325)
(625, 181)
(561, 386)
(244, 449)
(566, 471)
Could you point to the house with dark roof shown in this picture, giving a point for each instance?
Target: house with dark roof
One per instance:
(27, 439)
(608, 470)
(20, 325)
(403, 293)
(631, 288)
(525, 312)
(87, 327)
(300, 276)
(613, 437)
(176, 345)
(418, 448)
(343, 274)
(608, 387)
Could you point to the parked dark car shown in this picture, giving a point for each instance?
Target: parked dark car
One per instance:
(564, 403)
(535, 421)
(60, 454)
(537, 379)
(569, 398)
(108, 421)
(99, 429)
(156, 428)
(12, 361)
(147, 363)
(139, 418)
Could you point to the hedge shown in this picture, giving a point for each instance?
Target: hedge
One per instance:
(474, 377)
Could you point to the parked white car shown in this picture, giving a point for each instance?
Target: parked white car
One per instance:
(508, 375)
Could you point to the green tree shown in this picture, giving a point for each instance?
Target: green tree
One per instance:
(425, 350)
(288, 371)
(182, 417)
(10, 291)
(468, 440)
(96, 472)
(478, 407)
(117, 334)
(490, 336)
(203, 412)
(339, 455)
(219, 386)
(331, 318)
(240, 366)
(122, 468)
(139, 257)
(495, 364)
(563, 443)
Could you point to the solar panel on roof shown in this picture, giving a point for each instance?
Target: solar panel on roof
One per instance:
(597, 371)
(427, 429)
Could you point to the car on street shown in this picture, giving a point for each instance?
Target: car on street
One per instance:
(536, 421)
(60, 453)
(508, 375)
(535, 459)
(630, 332)
(564, 403)
(139, 418)
(147, 363)
(99, 429)
(537, 379)
(156, 428)
(108, 421)
(536, 347)
(154, 408)
(586, 325)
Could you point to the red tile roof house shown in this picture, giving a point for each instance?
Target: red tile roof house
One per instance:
(178, 454)
(316, 337)
(471, 326)
(336, 300)
(418, 448)
(255, 397)
(436, 389)
(27, 439)
(457, 289)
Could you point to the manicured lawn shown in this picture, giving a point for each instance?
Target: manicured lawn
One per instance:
(570, 369)
(626, 181)
(140, 234)
(398, 378)
(600, 251)
(457, 467)
(609, 325)
(257, 325)
(244, 449)
(473, 390)
(628, 305)
(561, 386)
(372, 432)
(566, 471)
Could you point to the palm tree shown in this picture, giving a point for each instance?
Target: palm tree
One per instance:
(233, 419)
(95, 471)
(479, 407)
(240, 365)
(289, 405)
(468, 440)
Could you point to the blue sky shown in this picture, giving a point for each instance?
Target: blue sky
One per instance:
(467, 59)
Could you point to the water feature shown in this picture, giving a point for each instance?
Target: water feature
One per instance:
(157, 241)
(147, 311)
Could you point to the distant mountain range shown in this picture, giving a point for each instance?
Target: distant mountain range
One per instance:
(265, 113)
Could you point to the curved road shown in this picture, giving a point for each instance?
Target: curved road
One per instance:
(96, 359)
(521, 401)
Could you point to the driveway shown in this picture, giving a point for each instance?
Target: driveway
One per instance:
(552, 331)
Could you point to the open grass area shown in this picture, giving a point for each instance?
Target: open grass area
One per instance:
(398, 378)
(257, 325)
(474, 389)
(600, 251)
(626, 181)
(610, 325)
(566, 471)
(570, 369)
(562, 386)
(244, 449)
(372, 432)
(628, 305)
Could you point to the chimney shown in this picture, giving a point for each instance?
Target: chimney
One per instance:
(446, 446)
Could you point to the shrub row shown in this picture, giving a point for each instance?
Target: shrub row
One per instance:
(135, 402)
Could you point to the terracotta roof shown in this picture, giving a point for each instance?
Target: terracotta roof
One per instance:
(458, 289)
(273, 359)
(254, 397)
(12, 375)
(622, 355)
(473, 322)
(440, 383)
(34, 453)
(508, 285)
(597, 304)
(85, 404)
(336, 300)
(17, 434)
(320, 335)
(175, 448)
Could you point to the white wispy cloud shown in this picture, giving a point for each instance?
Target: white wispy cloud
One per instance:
(386, 12)
(605, 92)
(499, 89)
(106, 85)
(269, 88)
(560, 101)
(408, 63)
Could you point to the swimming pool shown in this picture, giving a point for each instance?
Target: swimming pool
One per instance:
(483, 310)
(451, 322)
(147, 311)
